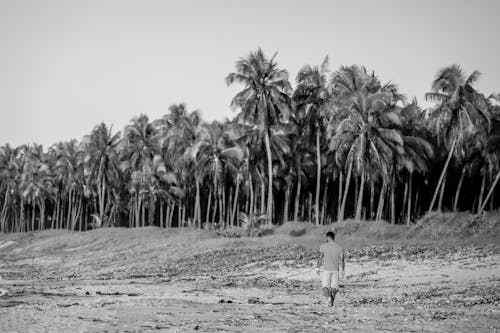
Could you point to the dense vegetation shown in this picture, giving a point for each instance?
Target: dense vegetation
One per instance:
(336, 145)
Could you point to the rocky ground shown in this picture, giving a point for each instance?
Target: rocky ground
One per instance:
(181, 281)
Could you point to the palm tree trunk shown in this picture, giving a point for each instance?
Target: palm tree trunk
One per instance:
(381, 200)
(287, 199)
(262, 196)
(143, 212)
(459, 187)
(33, 216)
(21, 216)
(408, 212)
(360, 197)
(325, 199)
(318, 176)
(252, 206)
(415, 206)
(310, 208)
(405, 198)
(346, 192)
(161, 214)
(208, 207)
(183, 209)
(356, 195)
(339, 204)
(3, 215)
(198, 204)
(70, 205)
(270, 178)
(441, 193)
(235, 204)
(303, 212)
(221, 206)
(372, 198)
(445, 168)
(490, 193)
(297, 198)
(101, 199)
(481, 192)
(393, 199)
(214, 213)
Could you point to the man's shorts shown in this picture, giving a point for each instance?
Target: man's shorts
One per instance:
(330, 279)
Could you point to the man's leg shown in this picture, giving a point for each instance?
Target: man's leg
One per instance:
(325, 285)
(334, 286)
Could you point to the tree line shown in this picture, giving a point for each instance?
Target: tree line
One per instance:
(338, 144)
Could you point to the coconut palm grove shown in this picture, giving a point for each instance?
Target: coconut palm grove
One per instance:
(328, 145)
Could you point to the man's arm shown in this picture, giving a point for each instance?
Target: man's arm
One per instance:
(320, 260)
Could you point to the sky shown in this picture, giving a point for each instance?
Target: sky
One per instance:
(67, 65)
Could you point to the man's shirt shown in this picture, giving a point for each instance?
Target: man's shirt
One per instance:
(331, 255)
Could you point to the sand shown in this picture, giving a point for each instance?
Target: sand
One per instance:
(151, 281)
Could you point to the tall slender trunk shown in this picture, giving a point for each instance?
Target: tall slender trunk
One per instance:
(208, 207)
(171, 218)
(3, 214)
(252, 206)
(393, 199)
(490, 192)
(459, 187)
(101, 199)
(198, 204)
(183, 218)
(360, 197)
(161, 214)
(70, 205)
(318, 175)
(410, 189)
(221, 206)
(21, 215)
(287, 199)
(441, 193)
(339, 204)
(235, 204)
(297, 201)
(416, 208)
(33, 208)
(214, 213)
(445, 168)
(262, 196)
(303, 212)
(270, 178)
(405, 198)
(325, 199)
(346, 192)
(381, 200)
(372, 198)
(481, 192)
(310, 208)
(143, 212)
(168, 214)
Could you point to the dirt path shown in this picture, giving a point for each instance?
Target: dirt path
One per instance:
(454, 292)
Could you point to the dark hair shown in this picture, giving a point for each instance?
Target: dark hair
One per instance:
(330, 234)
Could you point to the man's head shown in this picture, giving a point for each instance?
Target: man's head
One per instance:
(330, 236)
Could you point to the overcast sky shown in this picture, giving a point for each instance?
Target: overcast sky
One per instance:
(66, 65)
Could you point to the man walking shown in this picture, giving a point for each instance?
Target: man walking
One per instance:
(332, 255)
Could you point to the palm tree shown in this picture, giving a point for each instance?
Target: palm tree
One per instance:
(9, 174)
(263, 101)
(461, 113)
(363, 133)
(215, 154)
(311, 94)
(101, 164)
